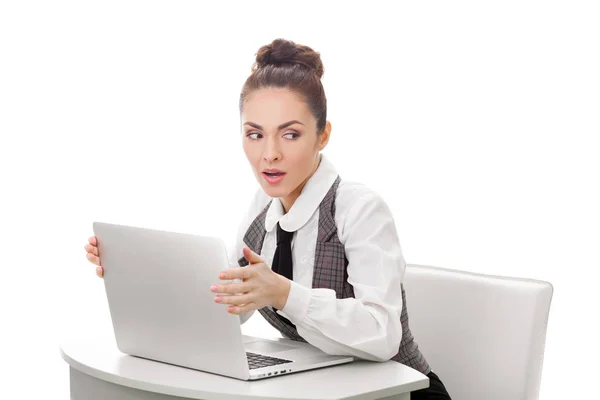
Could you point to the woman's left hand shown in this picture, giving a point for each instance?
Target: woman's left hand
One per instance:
(260, 286)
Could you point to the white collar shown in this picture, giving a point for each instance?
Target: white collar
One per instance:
(306, 204)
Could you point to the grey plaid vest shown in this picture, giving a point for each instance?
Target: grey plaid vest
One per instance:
(330, 273)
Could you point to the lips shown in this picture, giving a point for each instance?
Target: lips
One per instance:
(273, 176)
(272, 171)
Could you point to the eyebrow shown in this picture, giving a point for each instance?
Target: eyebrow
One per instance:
(284, 125)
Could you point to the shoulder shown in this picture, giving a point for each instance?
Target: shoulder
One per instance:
(355, 197)
(359, 206)
(361, 210)
(258, 202)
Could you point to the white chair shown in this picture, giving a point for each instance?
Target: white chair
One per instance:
(483, 335)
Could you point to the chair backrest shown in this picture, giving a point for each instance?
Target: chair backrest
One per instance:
(483, 335)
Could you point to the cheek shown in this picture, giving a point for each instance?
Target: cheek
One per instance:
(251, 153)
(303, 164)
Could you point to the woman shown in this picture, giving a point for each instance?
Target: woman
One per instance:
(319, 257)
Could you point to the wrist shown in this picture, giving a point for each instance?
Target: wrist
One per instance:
(285, 285)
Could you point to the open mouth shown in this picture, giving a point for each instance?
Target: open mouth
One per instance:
(273, 177)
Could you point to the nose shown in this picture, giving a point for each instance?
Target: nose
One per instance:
(271, 152)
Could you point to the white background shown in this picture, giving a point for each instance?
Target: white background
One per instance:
(477, 121)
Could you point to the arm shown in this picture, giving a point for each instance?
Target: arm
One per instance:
(367, 326)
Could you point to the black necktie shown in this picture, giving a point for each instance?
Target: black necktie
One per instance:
(282, 260)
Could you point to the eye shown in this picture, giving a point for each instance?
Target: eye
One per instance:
(253, 133)
(293, 133)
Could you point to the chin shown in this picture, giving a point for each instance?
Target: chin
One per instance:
(273, 191)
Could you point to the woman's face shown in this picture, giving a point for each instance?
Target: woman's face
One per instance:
(280, 133)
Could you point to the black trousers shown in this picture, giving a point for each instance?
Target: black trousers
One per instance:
(435, 391)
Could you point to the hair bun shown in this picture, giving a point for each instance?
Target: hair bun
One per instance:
(282, 51)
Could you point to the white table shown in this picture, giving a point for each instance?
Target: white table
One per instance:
(98, 370)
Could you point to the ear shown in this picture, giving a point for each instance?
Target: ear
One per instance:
(324, 138)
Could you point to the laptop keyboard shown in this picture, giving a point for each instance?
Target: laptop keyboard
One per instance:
(260, 361)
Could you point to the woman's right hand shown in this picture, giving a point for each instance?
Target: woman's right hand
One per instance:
(92, 255)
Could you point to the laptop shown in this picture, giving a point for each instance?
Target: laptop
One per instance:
(158, 290)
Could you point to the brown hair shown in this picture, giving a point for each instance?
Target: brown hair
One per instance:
(285, 64)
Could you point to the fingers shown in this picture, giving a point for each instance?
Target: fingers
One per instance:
(93, 259)
(251, 256)
(91, 249)
(238, 300)
(236, 273)
(241, 309)
(231, 288)
(93, 256)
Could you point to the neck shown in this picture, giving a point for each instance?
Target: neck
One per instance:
(288, 201)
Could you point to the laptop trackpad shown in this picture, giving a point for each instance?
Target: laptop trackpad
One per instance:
(267, 347)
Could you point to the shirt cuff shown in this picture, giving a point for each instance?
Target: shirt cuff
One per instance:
(296, 306)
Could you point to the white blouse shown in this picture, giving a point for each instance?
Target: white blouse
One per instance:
(367, 326)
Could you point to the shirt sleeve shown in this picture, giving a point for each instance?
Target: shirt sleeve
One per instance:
(367, 326)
